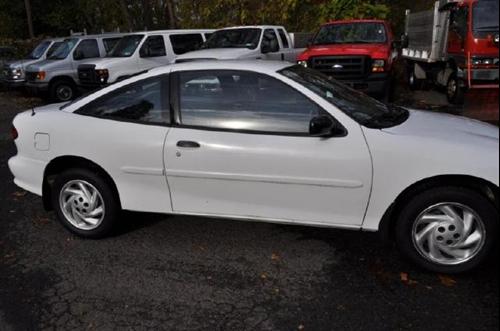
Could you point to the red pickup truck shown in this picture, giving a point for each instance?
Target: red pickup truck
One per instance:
(358, 52)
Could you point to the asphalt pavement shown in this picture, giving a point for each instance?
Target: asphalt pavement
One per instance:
(185, 273)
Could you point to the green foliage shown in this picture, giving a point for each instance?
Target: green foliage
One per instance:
(58, 17)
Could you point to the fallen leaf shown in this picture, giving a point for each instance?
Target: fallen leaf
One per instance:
(301, 327)
(263, 276)
(405, 278)
(447, 281)
(41, 221)
(275, 257)
(19, 194)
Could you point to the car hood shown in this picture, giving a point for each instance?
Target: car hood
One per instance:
(23, 64)
(105, 63)
(376, 51)
(46, 65)
(445, 127)
(216, 54)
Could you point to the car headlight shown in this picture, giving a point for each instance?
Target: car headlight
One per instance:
(303, 63)
(378, 66)
(484, 61)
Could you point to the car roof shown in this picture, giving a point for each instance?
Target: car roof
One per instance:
(356, 21)
(96, 36)
(249, 65)
(169, 31)
(254, 27)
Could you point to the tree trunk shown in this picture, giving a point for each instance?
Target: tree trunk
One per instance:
(172, 22)
(27, 4)
(126, 15)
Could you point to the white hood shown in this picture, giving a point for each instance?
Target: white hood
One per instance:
(220, 54)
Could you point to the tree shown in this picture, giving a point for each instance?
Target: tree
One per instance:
(27, 4)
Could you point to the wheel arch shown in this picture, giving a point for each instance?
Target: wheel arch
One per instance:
(61, 78)
(62, 163)
(486, 188)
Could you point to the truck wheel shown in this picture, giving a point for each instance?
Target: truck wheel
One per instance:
(84, 203)
(447, 230)
(414, 83)
(455, 91)
(62, 91)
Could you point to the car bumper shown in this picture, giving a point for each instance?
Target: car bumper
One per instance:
(13, 83)
(374, 84)
(37, 87)
(28, 173)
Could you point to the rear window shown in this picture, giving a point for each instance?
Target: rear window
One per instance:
(284, 39)
(110, 43)
(183, 43)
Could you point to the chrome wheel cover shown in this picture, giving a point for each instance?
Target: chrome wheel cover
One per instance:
(82, 205)
(449, 234)
(64, 93)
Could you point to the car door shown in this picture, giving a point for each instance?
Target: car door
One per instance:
(124, 131)
(241, 148)
(153, 53)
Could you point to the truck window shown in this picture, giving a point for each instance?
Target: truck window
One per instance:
(110, 43)
(126, 46)
(270, 41)
(284, 39)
(234, 38)
(87, 49)
(485, 17)
(39, 50)
(183, 43)
(459, 18)
(154, 46)
(53, 48)
(351, 33)
(64, 49)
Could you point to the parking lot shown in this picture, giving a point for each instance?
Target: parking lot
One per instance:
(186, 273)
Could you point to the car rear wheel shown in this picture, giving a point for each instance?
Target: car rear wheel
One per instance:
(85, 203)
(447, 230)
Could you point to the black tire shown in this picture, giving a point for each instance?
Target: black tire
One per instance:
(109, 199)
(414, 83)
(455, 91)
(410, 214)
(62, 90)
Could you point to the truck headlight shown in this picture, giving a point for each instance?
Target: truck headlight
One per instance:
(102, 75)
(378, 66)
(303, 63)
(16, 73)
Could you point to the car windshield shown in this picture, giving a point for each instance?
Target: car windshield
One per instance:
(351, 33)
(362, 108)
(64, 49)
(234, 38)
(126, 46)
(485, 16)
(39, 50)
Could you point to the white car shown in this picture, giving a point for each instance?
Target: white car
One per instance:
(265, 141)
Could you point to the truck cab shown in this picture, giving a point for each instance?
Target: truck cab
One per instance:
(359, 53)
(138, 52)
(455, 46)
(262, 42)
(58, 74)
(14, 72)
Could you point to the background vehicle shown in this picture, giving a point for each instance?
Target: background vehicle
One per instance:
(360, 53)
(58, 74)
(14, 72)
(264, 42)
(266, 141)
(138, 52)
(6, 54)
(455, 46)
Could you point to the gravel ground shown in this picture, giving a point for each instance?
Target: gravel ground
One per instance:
(186, 273)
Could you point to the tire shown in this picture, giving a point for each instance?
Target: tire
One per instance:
(445, 233)
(82, 203)
(455, 91)
(62, 91)
(414, 83)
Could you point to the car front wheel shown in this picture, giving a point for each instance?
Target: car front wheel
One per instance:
(447, 230)
(85, 203)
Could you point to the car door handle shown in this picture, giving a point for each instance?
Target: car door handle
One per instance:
(188, 144)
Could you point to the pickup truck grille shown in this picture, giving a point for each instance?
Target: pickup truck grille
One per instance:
(342, 67)
(86, 74)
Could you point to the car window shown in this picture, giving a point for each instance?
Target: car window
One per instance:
(87, 49)
(143, 102)
(53, 48)
(110, 43)
(271, 40)
(183, 43)
(284, 39)
(154, 46)
(240, 100)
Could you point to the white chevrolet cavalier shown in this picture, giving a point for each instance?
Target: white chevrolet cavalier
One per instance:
(270, 142)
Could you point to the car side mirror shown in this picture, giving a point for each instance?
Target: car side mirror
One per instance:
(325, 127)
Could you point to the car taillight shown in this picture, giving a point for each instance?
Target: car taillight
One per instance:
(14, 133)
